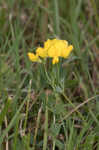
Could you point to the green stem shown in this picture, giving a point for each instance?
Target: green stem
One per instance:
(53, 139)
(27, 105)
(56, 18)
(48, 78)
(46, 128)
(37, 126)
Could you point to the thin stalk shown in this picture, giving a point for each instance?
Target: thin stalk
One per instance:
(53, 139)
(37, 126)
(46, 127)
(48, 78)
(27, 106)
(56, 18)
(7, 143)
(44, 23)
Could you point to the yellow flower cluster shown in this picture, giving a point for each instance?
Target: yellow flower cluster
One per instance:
(52, 48)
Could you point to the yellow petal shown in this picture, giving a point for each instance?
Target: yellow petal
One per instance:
(55, 60)
(47, 44)
(66, 52)
(41, 52)
(33, 57)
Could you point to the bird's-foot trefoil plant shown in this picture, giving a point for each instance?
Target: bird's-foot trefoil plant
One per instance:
(51, 56)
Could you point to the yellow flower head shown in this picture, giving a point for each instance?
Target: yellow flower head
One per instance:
(53, 49)
(57, 48)
(66, 52)
(55, 60)
(41, 52)
(47, 43)
(33, 57)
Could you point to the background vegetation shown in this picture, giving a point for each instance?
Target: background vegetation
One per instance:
(27, 99)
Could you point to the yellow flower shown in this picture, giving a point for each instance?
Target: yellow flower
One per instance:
(33, 57)
(66, 52)
(55, 60)
(57, 48)
(48, 43)
(53, 49)
(41, 52)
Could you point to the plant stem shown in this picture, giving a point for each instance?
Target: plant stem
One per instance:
(37, 126)
(53, 139)
(27, 105)
(56, 18)
(46, 127)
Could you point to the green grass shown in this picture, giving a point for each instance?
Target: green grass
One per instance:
(57, 109)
